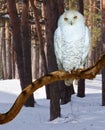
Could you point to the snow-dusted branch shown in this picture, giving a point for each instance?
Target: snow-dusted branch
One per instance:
(88, 73)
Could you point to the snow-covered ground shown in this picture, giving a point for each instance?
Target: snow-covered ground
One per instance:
(80, 114)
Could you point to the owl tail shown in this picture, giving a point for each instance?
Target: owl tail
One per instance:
(68, 82)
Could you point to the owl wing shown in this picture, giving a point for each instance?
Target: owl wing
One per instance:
(57, 47)
(86, 47)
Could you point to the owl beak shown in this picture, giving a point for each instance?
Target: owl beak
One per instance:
(71, 23)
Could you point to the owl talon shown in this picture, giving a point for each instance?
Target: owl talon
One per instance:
(70, 71)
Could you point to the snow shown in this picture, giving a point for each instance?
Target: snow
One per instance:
(80, 114)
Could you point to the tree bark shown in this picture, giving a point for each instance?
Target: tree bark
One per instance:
(25, 78)
(81, 6)
(65, 92)
(4, 51)
(81, 83)
(81, 88)
(40, 37)
(51, 16)
(8, 49)
(26, 50)
(13, 61)
(1, 75)
(36, 60)
(103, 45)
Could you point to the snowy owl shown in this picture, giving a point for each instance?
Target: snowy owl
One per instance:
(71, 42)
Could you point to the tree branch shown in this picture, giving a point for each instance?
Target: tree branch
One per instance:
(88, 73)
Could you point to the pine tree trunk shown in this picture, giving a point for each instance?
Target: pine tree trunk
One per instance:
(81, 83)
(1, 52)
(12, 58)
(81, 88)
(65, 92)
(51, 16)
(26, 48)
(81, 6)
(4, 52)
(8, 50)
(103, 44)
(22, 46)
(36, 60)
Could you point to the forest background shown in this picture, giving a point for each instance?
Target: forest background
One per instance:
(26, 43)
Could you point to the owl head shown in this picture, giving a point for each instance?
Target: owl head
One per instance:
(71, 17)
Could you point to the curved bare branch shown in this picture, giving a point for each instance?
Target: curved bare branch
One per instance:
(88, 73)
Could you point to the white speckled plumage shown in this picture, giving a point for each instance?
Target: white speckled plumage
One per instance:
(71, 42)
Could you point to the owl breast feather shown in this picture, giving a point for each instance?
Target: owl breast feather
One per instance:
(71, 51)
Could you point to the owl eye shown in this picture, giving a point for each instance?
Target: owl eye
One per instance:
(65, 19)
(75, 17)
